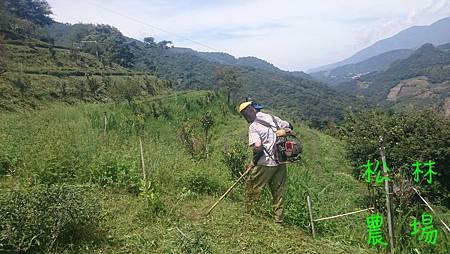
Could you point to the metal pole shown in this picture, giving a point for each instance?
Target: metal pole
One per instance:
(308, 200)
(345, 214)
(388, 198)
(431, 208)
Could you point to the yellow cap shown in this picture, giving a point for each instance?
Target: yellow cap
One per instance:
(244, 105)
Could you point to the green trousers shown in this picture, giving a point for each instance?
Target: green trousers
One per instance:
(276, 178)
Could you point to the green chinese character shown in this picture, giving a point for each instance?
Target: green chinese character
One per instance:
(374, 223)
(415, 226)
(428, 232)
(380, 179)
(417, 171)
(369, 172)
(430, 171)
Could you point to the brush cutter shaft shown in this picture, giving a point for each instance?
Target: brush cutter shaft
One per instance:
(229, 190)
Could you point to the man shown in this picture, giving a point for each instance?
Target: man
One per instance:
(262, 140)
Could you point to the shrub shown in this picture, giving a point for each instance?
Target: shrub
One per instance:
(41, 217)
(202, 184)
(116, 170)
(7, 164)
(234, 158)
(189, 137)
(408, 136)
(152, 195)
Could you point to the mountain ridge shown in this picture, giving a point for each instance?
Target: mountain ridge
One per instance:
(409, 38)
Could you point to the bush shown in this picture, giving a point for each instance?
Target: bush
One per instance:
(116, 170)
(202, 184)
(41, 217)
(234, 158)
(408, 137)
(7, 164)
(193, 144)
(152, 194)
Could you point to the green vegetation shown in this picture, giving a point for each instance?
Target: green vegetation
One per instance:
(43, 217)
(428, 61)
(68, 144)
(189, 70)
(408, 136)
(76, 101)
(36, 76)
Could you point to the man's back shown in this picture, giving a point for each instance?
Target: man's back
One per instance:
(262, 129)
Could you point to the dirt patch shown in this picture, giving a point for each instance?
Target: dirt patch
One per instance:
(410, 87)
(447, 107)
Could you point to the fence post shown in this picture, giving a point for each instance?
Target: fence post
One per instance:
(388, 198)
(142, 160)
(308, 200)
(105, 121)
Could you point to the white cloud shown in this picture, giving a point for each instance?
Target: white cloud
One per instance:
(292, 34)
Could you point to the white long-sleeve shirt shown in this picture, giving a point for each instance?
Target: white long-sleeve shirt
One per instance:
(259, 133)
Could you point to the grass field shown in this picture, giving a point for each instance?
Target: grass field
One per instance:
(67, 145)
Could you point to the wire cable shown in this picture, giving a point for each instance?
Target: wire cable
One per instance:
(152, 26)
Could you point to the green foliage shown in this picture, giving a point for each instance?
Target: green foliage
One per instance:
(201, 183)
(71, 141)
(152, 195)
(190, 70)
(196, 244)
(409, 136)
(234, 157)
(36, 11)
(427, 61)
(115, 169)
(227, 80)
(38, 79)
(38, 218)
(125, 91)
(191, 140)
(7, 164)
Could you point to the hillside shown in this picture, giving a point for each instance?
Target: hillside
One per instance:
(98, 153)
(38, 74)
(421, 79)
(188, 69)
(351, 71)
(107, 163)
(410, 38)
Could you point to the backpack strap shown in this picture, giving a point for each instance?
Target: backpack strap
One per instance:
(268, 125)
(275, 122)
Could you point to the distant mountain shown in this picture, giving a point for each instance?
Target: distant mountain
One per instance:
(423, 79)
(249, 61)
(350, 71)
(411, 38)
(295, 92)
(444, 47)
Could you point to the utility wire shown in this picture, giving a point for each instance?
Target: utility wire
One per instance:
(151, 26)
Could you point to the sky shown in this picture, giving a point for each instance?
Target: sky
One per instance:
(291, 34)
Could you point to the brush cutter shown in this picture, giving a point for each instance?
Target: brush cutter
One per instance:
(229, 190)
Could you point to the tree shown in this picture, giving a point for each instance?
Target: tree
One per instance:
(164, 44)
(125, 91)
(150, 41)
(227, 80)
(36, 11)
(207, 122)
